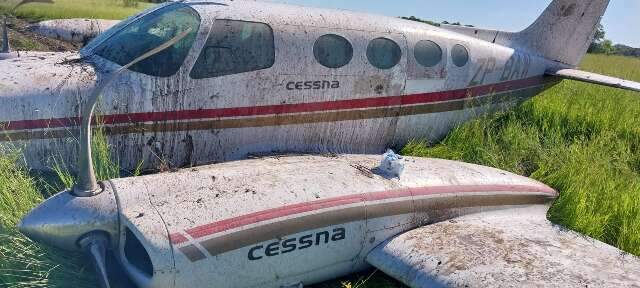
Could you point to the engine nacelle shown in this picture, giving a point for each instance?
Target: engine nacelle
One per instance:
(279, 221)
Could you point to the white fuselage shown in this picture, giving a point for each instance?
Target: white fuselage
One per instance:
(295, 105)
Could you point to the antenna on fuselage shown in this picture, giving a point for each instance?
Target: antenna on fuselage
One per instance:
(6, 47)
(88, 185)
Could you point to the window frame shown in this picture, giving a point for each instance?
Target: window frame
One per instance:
(442, 54)
(91, 50)
(394, 43)
(315, 43)
(91, 47)
(204, 47)
(467, 51)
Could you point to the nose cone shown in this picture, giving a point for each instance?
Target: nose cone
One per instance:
(63, 219)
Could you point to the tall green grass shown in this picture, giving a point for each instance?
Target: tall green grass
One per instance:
(18, 193)
(65, 9)
(24, 263)
(581, 139)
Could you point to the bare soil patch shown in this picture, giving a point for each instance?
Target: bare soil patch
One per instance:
(22, 38)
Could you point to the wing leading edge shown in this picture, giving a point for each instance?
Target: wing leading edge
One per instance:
(503, 248)
(593, 78)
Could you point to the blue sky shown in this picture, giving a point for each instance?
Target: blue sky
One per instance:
(621, 22)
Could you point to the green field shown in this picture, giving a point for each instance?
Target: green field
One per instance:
(65, 9)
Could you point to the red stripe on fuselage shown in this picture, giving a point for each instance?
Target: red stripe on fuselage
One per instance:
(270, 214)
(280, 109)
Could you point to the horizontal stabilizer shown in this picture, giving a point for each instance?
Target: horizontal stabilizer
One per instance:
(596, 79)
(503, 248)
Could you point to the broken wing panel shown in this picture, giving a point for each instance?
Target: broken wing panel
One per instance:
(593, 78)
(503, 248)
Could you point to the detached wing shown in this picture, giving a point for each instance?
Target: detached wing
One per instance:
(589, 77)
(507, 248)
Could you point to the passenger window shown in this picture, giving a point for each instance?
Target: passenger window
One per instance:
(459, 55)
(149, 32)
(383, 53)
(235, 47)
(427, 53)
(333, 51)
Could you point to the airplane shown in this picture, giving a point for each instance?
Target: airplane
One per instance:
(204, 81)
(344, 83)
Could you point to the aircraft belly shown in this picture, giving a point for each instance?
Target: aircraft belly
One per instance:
(200, 145)
(436, 125)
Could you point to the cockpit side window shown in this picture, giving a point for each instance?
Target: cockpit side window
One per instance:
(235, 47)
(149, 32)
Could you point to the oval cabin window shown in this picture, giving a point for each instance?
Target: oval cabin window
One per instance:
(383, 53)
(459, 55)
(428, 53)
(333, 51)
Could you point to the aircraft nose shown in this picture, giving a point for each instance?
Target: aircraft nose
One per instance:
(62, 220)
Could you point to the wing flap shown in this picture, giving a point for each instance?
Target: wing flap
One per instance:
(594, 78)
(503, 248)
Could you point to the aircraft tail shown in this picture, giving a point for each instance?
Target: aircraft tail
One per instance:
(564, 31)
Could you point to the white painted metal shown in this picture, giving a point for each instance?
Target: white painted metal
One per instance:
(9, 55)
(58, 90)
(73, 30)
(512, 247)
(155, 205)
(87, 184)
(596, 79)
(63, 219)
(564, 31)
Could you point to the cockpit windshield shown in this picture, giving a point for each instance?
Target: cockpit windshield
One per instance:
(150, 31)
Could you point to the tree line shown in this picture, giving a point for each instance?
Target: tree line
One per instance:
(602, 45)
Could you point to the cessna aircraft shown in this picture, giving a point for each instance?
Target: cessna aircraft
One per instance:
(193, 82)
(261, 77)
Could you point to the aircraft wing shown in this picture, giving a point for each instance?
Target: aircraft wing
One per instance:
(589, 77)
(503, 248)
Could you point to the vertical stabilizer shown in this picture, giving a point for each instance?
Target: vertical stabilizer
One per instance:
(564, 31)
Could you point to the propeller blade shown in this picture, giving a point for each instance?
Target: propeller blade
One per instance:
(96, 246)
